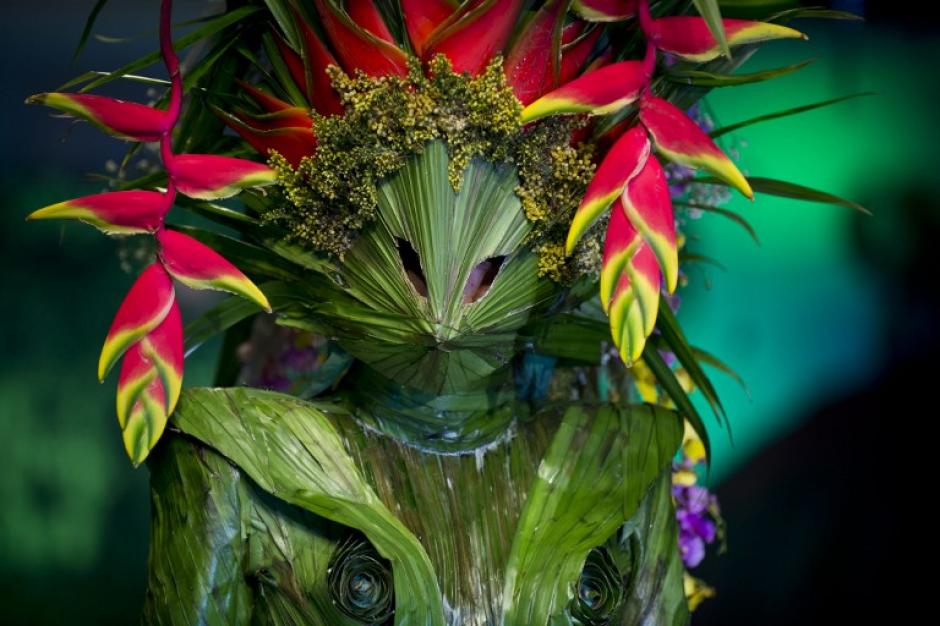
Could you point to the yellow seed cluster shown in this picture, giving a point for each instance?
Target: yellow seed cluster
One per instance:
(330, 197)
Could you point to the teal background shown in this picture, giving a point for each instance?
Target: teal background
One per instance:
(802, 317)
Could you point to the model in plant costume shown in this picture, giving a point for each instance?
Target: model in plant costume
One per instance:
(441, 190)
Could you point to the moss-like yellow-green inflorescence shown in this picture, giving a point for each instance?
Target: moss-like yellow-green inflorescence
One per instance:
(332, 195)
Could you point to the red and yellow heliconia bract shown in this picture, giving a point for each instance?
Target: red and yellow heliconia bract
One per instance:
(147, 329)
(116, 213)
(605, 10)
(198, 266)
(605, 90)
(691, 38)
(124, 120)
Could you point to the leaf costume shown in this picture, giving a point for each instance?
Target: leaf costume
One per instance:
(438, 191)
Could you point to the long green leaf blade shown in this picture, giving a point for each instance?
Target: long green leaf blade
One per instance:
(718, 132)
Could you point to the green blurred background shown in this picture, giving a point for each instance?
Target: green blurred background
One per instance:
(808, 318)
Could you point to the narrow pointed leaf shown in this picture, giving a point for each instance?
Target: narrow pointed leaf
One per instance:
(784, 189)
(267, 101)
(116, 212)
(529, 62)
(210, 177)
(648, 206)
(691, 38)
(624, 160)
(604, 90)
(357, 48)
(146, 305)
(620, 243)
(125, 120)
(422, 17)
(702, 78)
(710, 12)
(200, 267)
(681, 140)
(670, 384)
(475, 39)
(605, 10)
(718, 132)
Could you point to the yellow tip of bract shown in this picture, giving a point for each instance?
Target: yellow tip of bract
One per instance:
(143, 429)
(545, 106)
(61, 210)
(586, 215)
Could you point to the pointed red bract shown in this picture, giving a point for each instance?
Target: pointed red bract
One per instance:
(210, 177)
(635, 304)
(146, 305)
(365, 14)
(680, 139)
(576, 50)
(198, 266)
(163, 346)
(141, 405)
(648, 206)
(116, 212)
(528, 64)
(320, 92)
(477, 36)
(620, 242)
(625, 159)
(267, 101)
(421, 18)
(690, 37)
(357, 48)
(293, 143)
(605, 10)
(125, 120)
(599, 92)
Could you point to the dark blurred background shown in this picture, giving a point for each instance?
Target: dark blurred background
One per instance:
(832, 321)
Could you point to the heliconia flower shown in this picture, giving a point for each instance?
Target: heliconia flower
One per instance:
(690, 37)
(577, 45)
(141, 405)
(422, 17)
(125, 120)
(267, 101)
(318, 89)
(648, 206)
(357, 48)
(198, 266)
(365, 14)
(599, 92)
(477, 36)
(529, 63)
(210, 177)
(635, 303)
(116, 213)
(620, 243)
(625, 159)
(158, 355)
(292, 142)
(146, 305)
(604, 10)
(680, 139)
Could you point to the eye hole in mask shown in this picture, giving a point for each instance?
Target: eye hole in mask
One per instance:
(361, 583)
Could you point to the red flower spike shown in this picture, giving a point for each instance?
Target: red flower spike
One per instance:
(267, 101)
(528, 64)
(575, 53)
(198, 266)
(146, 305)
(479, 35)
(210, 177)
(116, 213)
(365, 14)
(293, 143)
(422, 17)
(163, 347)
(144, 419)
(295, 117)
(620, 244)
(125, 120)
(320, 92)
(605, 10)
(357, 48)
(681, 140)
(690, 38)
(604, 90)
(647, 205)
(625, 159)
(635, 304)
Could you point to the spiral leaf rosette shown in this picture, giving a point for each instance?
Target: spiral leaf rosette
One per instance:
(600, 590)
(360, 582)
